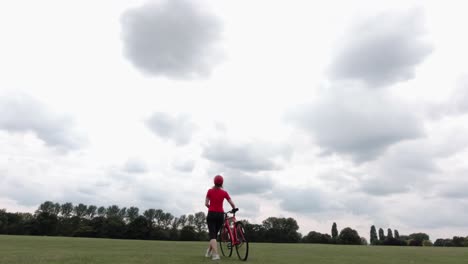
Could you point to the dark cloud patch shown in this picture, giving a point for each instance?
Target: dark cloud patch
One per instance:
(317, 200)
(357, 122)
(453, 187)
(414, 166)
(440, 213)
(178, 128)
(135, 165)
(23, 192)
(306, 200)
(82, 194)
(174, 38)
(360, 204)
(248, 157)
(23, 114)
(401, 172)
(157, 196)
(117, 176)
(248, 204)
(455, 190)
(383, 50)
(384, 185)
(240, 183)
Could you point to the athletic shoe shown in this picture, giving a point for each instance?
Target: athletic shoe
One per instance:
(208, 253)
(215, 257)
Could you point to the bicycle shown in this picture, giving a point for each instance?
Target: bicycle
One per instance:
(232, 234)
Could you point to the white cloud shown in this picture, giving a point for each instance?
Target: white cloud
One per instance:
(178, 128)
(24, 114)
(174, 38)
(252, 156)
(358, 122)
(135, 165)
(383, 50)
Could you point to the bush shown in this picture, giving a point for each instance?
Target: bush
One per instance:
(427, 243)
(349, 236)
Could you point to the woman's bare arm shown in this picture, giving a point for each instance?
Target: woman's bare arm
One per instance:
(207, 203)
(231, 203)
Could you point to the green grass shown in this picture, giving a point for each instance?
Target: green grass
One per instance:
(50, 250)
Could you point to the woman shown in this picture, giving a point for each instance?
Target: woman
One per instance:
(215, 218)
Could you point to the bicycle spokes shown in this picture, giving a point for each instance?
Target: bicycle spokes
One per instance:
(225, 242)
(242, 245)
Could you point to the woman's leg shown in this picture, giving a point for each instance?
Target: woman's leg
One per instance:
(211, 222)
(218, 223)
(214, 246)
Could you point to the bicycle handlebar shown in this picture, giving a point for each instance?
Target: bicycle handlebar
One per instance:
(233, 211)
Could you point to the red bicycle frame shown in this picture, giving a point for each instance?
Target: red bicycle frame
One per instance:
(229, 223)
(235, 231)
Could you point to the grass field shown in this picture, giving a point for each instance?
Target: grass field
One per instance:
(51, 250)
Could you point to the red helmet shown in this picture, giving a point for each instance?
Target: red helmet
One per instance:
(218, 180)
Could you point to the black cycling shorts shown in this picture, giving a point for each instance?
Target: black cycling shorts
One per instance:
(215, 221)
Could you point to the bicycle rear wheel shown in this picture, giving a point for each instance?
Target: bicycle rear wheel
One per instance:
(225, 242)
(242, 246)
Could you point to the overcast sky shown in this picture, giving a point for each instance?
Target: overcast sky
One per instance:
(354, 113)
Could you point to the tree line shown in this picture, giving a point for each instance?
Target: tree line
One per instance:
(55, 219)
(393, 238)
(347, 236)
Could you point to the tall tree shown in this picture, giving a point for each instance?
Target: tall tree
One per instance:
(113, 211)
(66, 209)
(175, 223)
(334, 231)
(91, 211)
(190, 220)
(56, 209)
(80, 210)
(200, 222)
(166, 220)
(397, 235)
(101, 211)
(149, 214)
(182, 221)
(122, 213)
(132, 213)
(46, 207)
(381, 234)
(389, 234)
(159, 216)
(373, 235)
(3, 221)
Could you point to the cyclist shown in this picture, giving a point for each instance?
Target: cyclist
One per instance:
(215, 218)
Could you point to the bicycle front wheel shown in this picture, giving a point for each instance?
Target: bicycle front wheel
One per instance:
(225, 242)
(242, 245)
